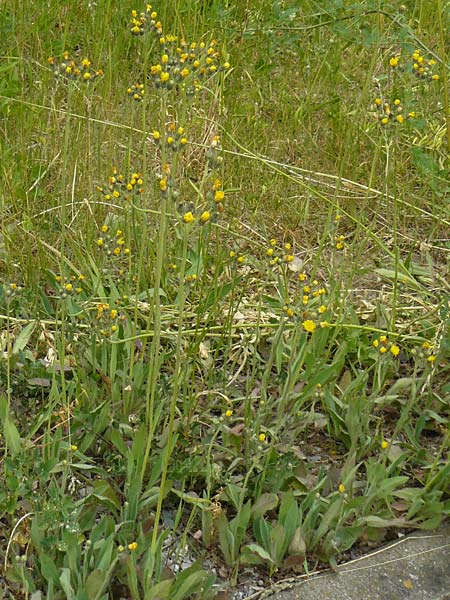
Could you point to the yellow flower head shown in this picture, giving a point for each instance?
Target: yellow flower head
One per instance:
(394, 350)
(309, 326)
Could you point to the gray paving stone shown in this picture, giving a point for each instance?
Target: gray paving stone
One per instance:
(415, 568)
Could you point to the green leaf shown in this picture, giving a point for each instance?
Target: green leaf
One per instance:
(105, 493)
(12, 437)
(262, 530)
(23, 338)
(94, 583)
(297, 546)
(289, 515)
(278, 543)
(191, 585)
(264, 503)
(64, 580)
(226, 538)
(159, 591)
(374, 521)
(253, 554)
(48, 568)
(105, 557)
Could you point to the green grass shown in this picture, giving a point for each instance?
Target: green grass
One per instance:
(268, 383)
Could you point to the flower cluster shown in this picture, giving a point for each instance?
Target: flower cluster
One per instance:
(10, 290)
(425, 352)
(119, 188)
(69, 285)
(112, 244)
(339, 242)
(213, 196)
(108, 319)
(70, 69)
(391, 113)
(145, 21)
(383, 345)
(238, 257)
(186, 64)
(279, 255)
(422, 67)
(136, 91)
(174, 138)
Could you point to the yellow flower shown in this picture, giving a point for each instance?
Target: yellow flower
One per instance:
(322, 309)
(188, 217)
(394, 61)
(219, 195)
(378, 102)
(431, 358)
(394, 350)
(228, 413)
(205, 216)
(309, 326)
(164, 77)
(384, 444)
(68, 287)
(132, 546)
(400, 118)
(74, 448)
(341, 488)
(104, 228)
(262, 437)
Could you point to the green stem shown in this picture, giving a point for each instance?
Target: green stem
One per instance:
(176, 387)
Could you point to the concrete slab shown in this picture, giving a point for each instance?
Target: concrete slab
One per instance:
(416, 567)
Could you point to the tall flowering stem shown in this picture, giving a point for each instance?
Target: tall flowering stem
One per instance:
(155, 315)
